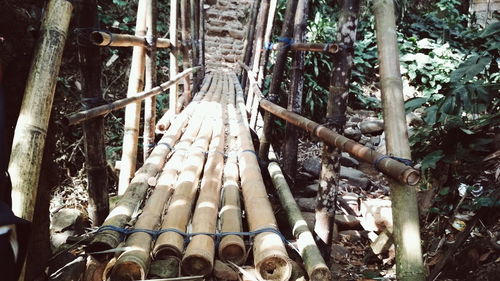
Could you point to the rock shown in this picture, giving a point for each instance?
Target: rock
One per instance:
(353, 133)
(310, 190)
(66, 266)
(354, 235)
(347, 161)
(373, 127)
(376, 214)
(347, 222)
(383, 242)
(167, 268)
(364, 140)
(66, 218)
(413, 119)
(312, 166)
(310, 218)
(375, 141)
(355, 177)
(355, 119)
(306, 204)
(381, 146)
(339, 253)
(223, 271)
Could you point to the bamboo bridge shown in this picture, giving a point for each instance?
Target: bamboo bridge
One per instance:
(203, 161)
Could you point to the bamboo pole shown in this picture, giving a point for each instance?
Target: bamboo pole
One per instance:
(200, 252)
(108, 39)
(231, 247)
(278, 72)
(31, 128)
(201, 24)
(295, 96)
(148, 137)
(267, 39)
(174, 91)
(331, 48)
(178, 213)
(315, 265)
(335, 118)
(95, 154)
(133, 197)
(409, 264)
(135, 261)
(81, 116)
(133, 110)
(185, 52)
(270, 257)
(248, 44)
(195, 38)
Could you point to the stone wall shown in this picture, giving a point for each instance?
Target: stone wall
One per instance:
(226, 24)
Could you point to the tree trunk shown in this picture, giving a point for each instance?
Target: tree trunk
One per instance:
(278, 71)
(335, 119)
(133, 111)
(409, 264)
(150, 103)
(295, 97)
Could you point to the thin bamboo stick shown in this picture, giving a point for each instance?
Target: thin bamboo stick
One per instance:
(200, 252)
(331, 48)
(248, 44)
(195, 38)
(185, 52)
(134, 196)
(267, 39)
(201, 45)
(231, 247)
(105, 39)
(134, 262)
(78, 117)
(148, 138)
(270, 257)
(31, 128)
(178, 213)
(315, 265)
(173, 58)
(133, 110)
(409, 263)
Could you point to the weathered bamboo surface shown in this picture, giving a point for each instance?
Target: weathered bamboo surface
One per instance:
(270, 256)
(105, 39)
(331, 48)
(179, 211)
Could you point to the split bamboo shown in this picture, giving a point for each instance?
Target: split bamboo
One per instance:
(135, 261)
(105, 39)
(107, 108)
(133, 110)
(267, 40)
(331, 48)
(315, 265)
(185, 52)
(231, 247)
(133, 197)
(200, 252)
(173, 95)
(270, 257)
(31, 128)
(409, 263)
(295, 95)
(278, 72)
(178, 213)
(90, 68)
(148, 137)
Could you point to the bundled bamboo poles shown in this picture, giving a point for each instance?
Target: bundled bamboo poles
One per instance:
(135, 261)
(270, 257)
(132, 199)
(409, 263)
(178, 213)
(231, 247)
(133, 110)
(315, 265)
(107, 108)
(31, 128)
(105, 39)
(200, 252)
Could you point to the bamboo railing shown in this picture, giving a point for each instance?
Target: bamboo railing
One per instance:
(108, 39)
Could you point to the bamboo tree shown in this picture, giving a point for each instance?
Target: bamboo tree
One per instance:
(295, 96)
(133, 111)
(174, 90)
(150, 103)
(278, 72)
(335, 119)
(409, 264)
(93, 130)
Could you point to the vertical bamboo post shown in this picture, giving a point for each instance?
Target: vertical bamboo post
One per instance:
(278, 72)
(295, 96)
(267, 40)
(335, 118)
(248, 44)
(185, 51)
(31, 128)
(93, 130)
(173, 55)
(133, 111)
(195, 40)
(409, 264)
(150, 103)
(201, 43)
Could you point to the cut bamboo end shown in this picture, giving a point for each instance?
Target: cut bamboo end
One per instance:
(198, 261)
(131, 269)
(232, 249)
(276, 268)
(320, 273)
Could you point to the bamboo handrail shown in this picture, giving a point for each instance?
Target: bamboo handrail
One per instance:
(108, 39)
(84, 115)
(331, 48)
